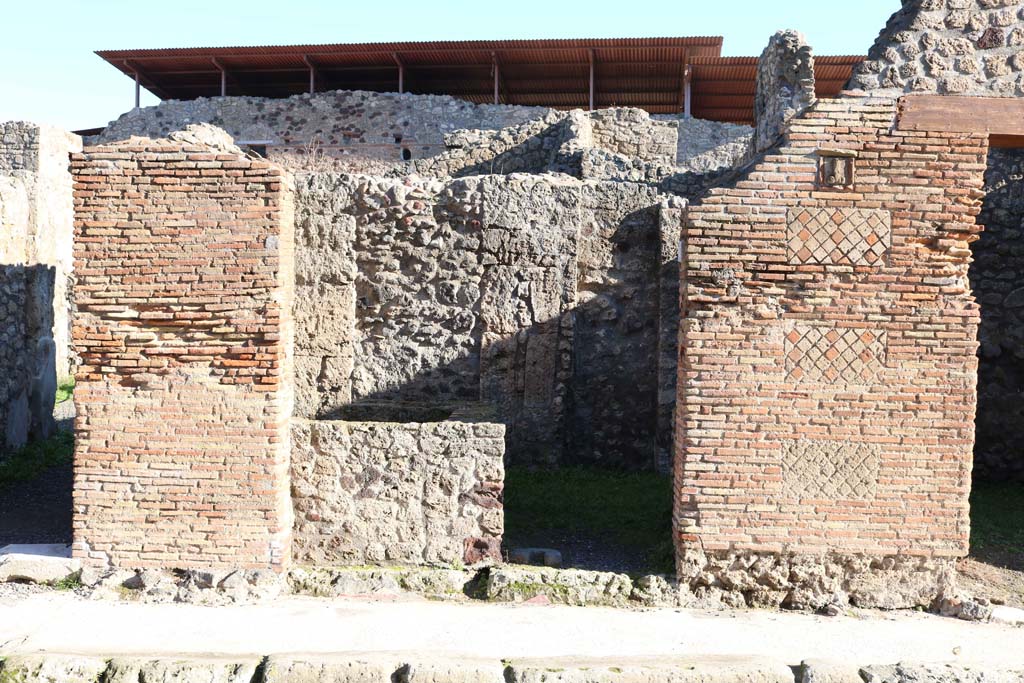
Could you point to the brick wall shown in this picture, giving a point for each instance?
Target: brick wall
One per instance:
(828, 372)
(183, 254)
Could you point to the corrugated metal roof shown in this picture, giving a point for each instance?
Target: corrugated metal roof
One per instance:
(640, 72)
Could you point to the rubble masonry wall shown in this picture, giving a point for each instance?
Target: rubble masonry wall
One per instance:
(539, 293)
(36, 263)
(954, 47)
(398, 491)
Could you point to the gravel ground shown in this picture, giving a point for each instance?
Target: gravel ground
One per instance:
(584, 552)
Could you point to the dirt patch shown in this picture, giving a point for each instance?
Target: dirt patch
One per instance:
(1000, 585)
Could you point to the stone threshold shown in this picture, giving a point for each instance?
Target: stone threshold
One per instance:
(399, 668)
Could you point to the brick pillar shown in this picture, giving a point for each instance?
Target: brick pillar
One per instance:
(826, 388)
(184, 264)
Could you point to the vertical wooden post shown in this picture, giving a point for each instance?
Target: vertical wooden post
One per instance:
(223, 77)
(687, 76)
(138, 91)
(497, 69)
(312, 73)
(401, 71)
(591, 80)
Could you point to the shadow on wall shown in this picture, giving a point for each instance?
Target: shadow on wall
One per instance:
(578, 388)
(556, 322)
(996, 278)
(28, 375)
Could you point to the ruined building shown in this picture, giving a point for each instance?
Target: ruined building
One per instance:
(315, 329)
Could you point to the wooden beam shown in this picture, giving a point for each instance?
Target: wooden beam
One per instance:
(1006, 141)
(995, 116)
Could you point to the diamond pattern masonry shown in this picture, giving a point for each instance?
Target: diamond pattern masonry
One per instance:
(838, 236)
(834, 355)
(830, 470)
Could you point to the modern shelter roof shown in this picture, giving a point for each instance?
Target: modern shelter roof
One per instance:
(650, 73)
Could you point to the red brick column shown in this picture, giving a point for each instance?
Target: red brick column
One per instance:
(183, 258)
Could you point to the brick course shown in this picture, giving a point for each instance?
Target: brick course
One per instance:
(896, 370)
(183, 257)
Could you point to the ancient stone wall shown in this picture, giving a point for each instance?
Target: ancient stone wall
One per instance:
(389, 486)
(35, 254)
(785, 86)
(369, 133)
(538, 293)
(184, 251)
(616, 328)
(959, 47)
(999, 288)
(828, 374)
(709, 146)
(357, 125)
(532, 147)
(633, 133)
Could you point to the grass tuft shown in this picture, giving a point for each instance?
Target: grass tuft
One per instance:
(65, 389)
(28, 462)
(630, 509)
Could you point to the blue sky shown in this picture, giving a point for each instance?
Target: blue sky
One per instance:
(51, 75)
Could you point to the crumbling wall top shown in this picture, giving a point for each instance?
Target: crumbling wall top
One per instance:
(785, 86)
(957, 47)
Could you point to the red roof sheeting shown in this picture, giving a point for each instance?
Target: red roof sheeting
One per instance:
(640, 72)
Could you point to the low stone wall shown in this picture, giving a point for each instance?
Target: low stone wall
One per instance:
(635, 134)
(393, 135)
(393, 489)
(709, 147)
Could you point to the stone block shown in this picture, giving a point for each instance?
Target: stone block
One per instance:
(184, 670)
(43, 564)
(52, 668)
(694, 669)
